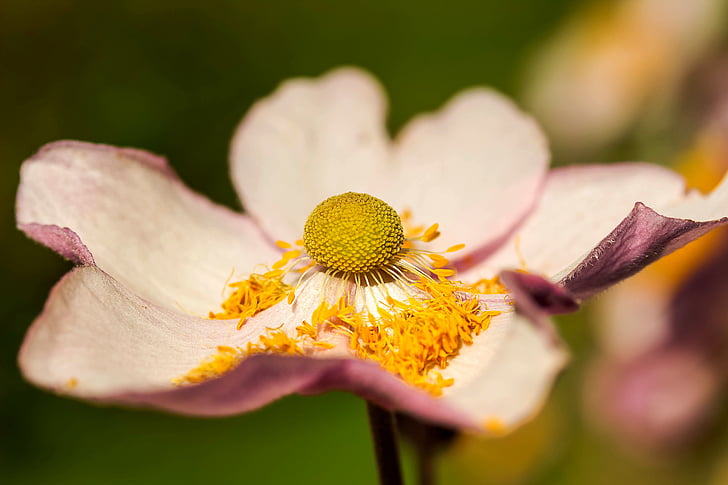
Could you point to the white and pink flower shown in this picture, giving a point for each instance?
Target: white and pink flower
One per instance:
(153, 256)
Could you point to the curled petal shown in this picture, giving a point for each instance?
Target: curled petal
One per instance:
(580, 205)
(535, 296)
(125, 211)
(640, 239)
(61, 239)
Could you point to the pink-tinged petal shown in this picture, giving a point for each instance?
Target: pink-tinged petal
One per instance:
(504, 377)
(95, 338)
(535, 296)
(61, 239)
(476, 167)
(640, 239)
(580, 205)
(312, 138)
(127, 212)
(264, 378)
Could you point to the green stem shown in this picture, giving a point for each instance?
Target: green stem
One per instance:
(381, 423)
(426, 452)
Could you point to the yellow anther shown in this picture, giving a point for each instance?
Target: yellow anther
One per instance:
(444, 272)
(283, 244)
(324, 345)
(353, 233)
(431, 233)
(279, 264)
(454, 248)
(438, 261)
(292, 254)
(252, 296)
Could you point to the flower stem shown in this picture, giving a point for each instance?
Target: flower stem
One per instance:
(381, 423)
(426, 452)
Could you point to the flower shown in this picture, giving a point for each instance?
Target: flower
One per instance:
(130, 325)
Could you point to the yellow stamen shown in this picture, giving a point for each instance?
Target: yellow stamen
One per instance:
(431, 233)
(485, 286)
(252, 296)
(454, 248)
(358, 240)
(415, 341)
(226, 359)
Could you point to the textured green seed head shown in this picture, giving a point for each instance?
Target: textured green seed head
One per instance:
(353, 232)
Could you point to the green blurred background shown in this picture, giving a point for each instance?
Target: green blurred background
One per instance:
(174, 78)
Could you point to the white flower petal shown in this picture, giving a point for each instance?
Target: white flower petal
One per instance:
(475, 167)
(699, 207)
(505, 376)
(96, 338)
(579, 207)
(139, 222)
(311, 139)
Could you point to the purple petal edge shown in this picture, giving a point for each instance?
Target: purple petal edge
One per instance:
(536, 298)
(643, 237)
(62, 240)
(535, 295)
(261, 379)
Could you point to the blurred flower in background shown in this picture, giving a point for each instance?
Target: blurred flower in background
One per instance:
(664, 333)
(614, 62)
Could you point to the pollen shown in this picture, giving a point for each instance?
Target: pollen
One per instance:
(416, 339)
(257, 293)
(383, 298)
(353, 233)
